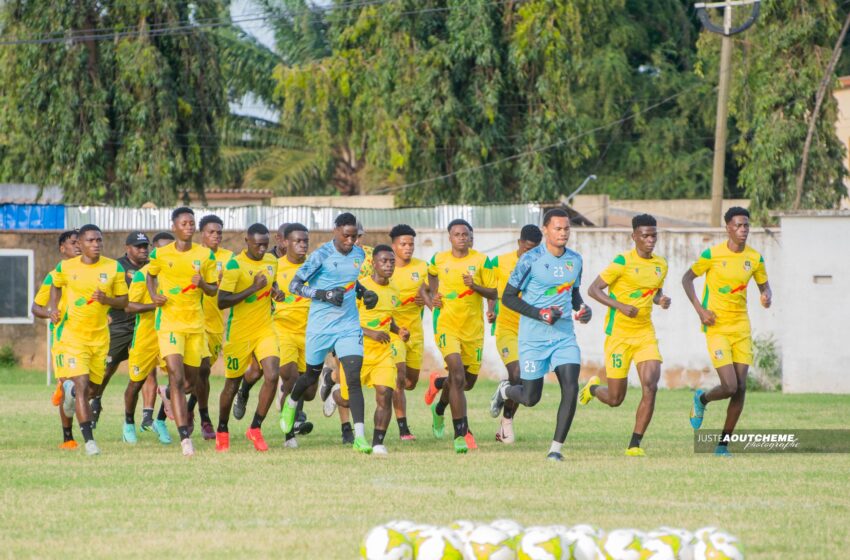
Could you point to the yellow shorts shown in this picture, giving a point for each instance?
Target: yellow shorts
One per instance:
(292, 346)
(237, 355)
(192, 346)
(379, 372)
(620, 352)
(470, 350)
(76, 359)
(142, 360)
(398, 349)
(213, 346)
(725, 349)
(507, 343)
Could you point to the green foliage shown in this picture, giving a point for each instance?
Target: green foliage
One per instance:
(766, 374)
(7, 357)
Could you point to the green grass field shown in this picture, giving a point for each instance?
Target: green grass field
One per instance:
(319, 500)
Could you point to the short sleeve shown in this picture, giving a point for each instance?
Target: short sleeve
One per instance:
(230, 277)
(42, 297)
(488, 274)
(664, 269)
(522, 271)
(703, 263)
(760, 272)
(138, 288)
(209, 270)
(119, 285)
(153, 264)
(432, 265)
(59, 279)
(613, 270)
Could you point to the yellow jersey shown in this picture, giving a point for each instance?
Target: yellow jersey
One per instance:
(367, 268)
(213, 316)
(85, 320)
(42, 298)
(506, 319)
(253, 315)
(727, 275)
(462, 312)
(407, 280)
(183, 312)
(145, 327)
(293, 310)
(378, 318)
(633, 280)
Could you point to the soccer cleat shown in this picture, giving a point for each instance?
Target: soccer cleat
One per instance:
(361, 445)
(239, 405)
(303, 428)
(129, 433)
(187, 447)
(438, 423)
(147, 425)
(347, 437)
(222, 441)
(497, 401)
(379, 450)
(161, 432)
(92, 448)
(697, 410)
(408, 437)
(635, 452)
(585, 396)
(506, 431)
(329, 404)
(287, 417)
(327, 384)
(68, 399)
(431, 392)
(291, 443)
(166, 402)
(255, 435)
(69, 445)
(470, 441)
(460, 445)
(56, 398)
(96, 409)
(722, 451)
(555, 456)
(207, 430)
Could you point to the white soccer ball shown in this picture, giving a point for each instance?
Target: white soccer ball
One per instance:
(438, 544)
(623, 544)
(384, 543)
(402, 525)
(412, 533)
(539, 543)
(589, 530)
(680, 541)
(488, 542)
(718, 545)
(463, 527)
(509, 526)
(581, 545)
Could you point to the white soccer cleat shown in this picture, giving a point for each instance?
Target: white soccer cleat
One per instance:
(291, 443)
(379, 450)
(92, 448)
(329, 406)
(506, 431)
(188, 448)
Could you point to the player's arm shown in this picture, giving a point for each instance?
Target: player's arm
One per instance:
(42, 299)
(766, 294)
(423, 296)
(152, 284)
(136, 308)
(208, 280)
(39, 311)
(487, 286)
(491, 310)
(370, 298)
(402, 332)
(227, 299)
(378, 336)
(661, 300)
(53, 305)
(511, 300)
(706, 316)
(434, 291)
(116, 302)
(333, 296)
(596, 291)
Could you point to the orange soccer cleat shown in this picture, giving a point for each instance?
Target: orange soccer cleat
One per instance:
(69, 445)
(256, 437)
(58, 394)
(431, 392)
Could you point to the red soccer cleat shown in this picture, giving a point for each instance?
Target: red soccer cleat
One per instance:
(222, 441)
(470, 441)
(256, 437)
(431, 392)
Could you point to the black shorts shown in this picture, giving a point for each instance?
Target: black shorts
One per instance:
(119, 347)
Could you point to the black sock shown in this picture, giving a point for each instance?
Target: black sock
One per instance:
(300, 406)
(205, 415)
(635, 441)
(183, 431)
(290, 435)
(378, 437)
(703, 400)
(345, 427)
(402, 426)
(128, 418)
(190, 404)
(222, 427)
(461, 427)
(440, 409)
(168, 392)
(161, 414)
(67, 433)
(244, 389)
(85, 427)
(147, 415)
(508, 412)
(439, 382)
(257, 421)
(593, 389)
(724, 438)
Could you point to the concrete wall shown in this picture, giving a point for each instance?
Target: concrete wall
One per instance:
(815, 296)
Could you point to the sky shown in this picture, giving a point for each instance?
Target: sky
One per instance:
(243, 9)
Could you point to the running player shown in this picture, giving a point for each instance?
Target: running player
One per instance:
(409, 280)
(248, 287)
(548, 278)
(177, 276)
(458, 280)
(634, 281)
(144, 354)
(91, 284)
(506, 325)
(210, 226)
(333, 322)
(377, 323)
(279, 248)
(728, 268)
(68, 249)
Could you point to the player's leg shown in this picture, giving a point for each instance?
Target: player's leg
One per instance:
(352, 365)
(68, 441)
(567, 375)
(119, 348)
(288, 376)
(225, 401)
(268, 355)
(649, 372)
(148, 401)
(618, 359)
(527, 393)
(406, 380)
(735, 407)
(252, 375)
(177, 397)
(201, 395)
(383, 415)
(131, 398)
(83, 411)
(290, 404)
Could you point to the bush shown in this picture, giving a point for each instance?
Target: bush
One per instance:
(766, 373)
(7, 357)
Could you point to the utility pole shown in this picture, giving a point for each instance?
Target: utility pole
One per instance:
(720, 130)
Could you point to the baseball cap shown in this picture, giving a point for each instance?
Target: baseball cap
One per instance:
(137, 238)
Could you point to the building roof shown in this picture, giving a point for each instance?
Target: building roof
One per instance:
(844, 82)
(235, 194)
(14, 193)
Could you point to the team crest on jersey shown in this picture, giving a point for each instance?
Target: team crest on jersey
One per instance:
(747, 266)
(135, 370)
(718, 354)
(103, 278)
(271, 271)
(505, 352)
(569, 265)
(395, 301)
(218, 265)
(72, 363)
(414, 276)
(196, 265)
(471, 268)
(357, 263)
(658, 271)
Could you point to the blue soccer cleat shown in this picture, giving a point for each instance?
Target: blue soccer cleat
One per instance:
(161, 432)
(722, 451)
(697, 410)
(129, 433)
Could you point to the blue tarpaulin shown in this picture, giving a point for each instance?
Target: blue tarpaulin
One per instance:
(32, 216)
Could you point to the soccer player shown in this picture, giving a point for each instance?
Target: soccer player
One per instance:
(548, 278)
(377, 323)
(210, 226)
(333, 322)
(279, 248)
(68, 249)
(248, 287)
(408, 279)
(177, 276)
(728, 268)
(144, 354)
(458, 280)
(634, 281)
(91, 285)
(506, 326)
